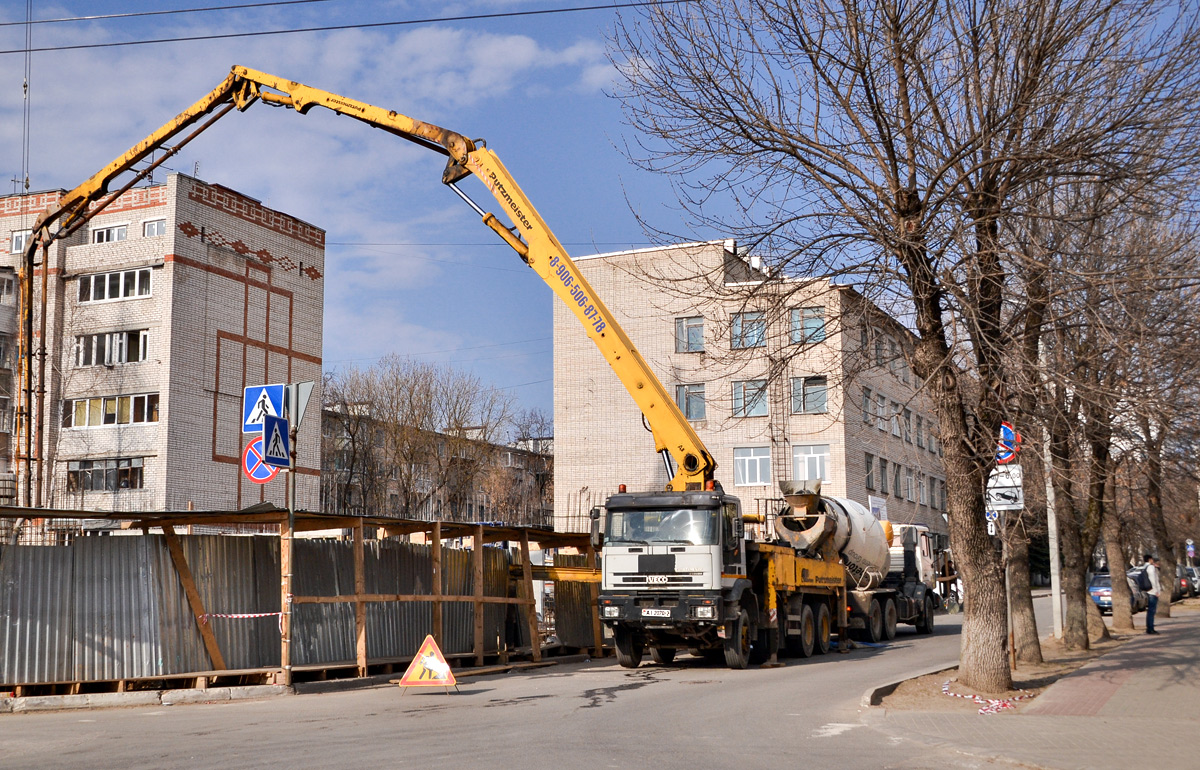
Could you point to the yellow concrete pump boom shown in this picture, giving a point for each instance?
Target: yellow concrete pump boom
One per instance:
(529, 236)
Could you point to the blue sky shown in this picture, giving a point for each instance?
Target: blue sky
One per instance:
(410, 268)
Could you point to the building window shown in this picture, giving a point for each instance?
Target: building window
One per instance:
(881, 411)
(869, 464)
(749, 330)
(922, 490)
(878, 349)
(110, 410)
(154, 227)
(689, 334)
(932, 443)
(104, 475)
(895, 418)
(808, 325)
(883, 476)
(910, 492)
(7, 290)
(897, 475)
(20, 238)
(691, 400)
(111, 348)
(808, 395)
(752, 466)
(119, 285)
(868, 406)
(906, 424)
(749, 398)
(109, 234)
(893, 357)
(920, 432)
(810, 463)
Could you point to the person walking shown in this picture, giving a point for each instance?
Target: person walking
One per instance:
(1152, 593)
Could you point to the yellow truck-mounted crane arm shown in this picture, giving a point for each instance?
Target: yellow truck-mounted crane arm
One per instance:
(529, 235)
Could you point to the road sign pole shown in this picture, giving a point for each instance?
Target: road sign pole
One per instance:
(287, 559)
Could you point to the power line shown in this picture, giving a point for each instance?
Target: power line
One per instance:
(132, 14)
(369, 25)
(482, 243)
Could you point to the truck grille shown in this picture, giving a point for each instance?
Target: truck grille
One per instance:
(660, 580)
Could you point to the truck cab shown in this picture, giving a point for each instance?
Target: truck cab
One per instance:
(674, 564)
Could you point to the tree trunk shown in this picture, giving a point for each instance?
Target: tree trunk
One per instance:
(1114, 551)
(1025, 633)
(1154, 506)
(1074, 567)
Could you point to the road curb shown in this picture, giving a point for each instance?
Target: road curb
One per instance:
(32, 703)
(875, 695)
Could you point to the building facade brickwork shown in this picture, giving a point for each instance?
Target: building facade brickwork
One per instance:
(158, 313)
(775, 394)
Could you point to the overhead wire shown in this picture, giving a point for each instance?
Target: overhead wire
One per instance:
(167, 12)
(364, 25)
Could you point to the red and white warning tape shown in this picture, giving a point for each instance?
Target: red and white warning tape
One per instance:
(990, 706)
(240, 615)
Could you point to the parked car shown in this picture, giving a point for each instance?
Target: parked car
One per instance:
(1187, 587)
(1100, 589)
(1194, 574)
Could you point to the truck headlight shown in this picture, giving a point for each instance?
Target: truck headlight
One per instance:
(707, 613)
(611, 611)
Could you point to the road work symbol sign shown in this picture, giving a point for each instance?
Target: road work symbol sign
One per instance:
(252, 463)
(428, 669)
(259, 401)
(276, 444)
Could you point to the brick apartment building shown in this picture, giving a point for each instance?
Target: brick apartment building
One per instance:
(841, 404)
(158, 313)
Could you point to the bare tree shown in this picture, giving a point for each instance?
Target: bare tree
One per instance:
(886, 143)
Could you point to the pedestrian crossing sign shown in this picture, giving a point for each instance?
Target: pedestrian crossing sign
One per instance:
(259, 401)
(428, 669)
(276, 444)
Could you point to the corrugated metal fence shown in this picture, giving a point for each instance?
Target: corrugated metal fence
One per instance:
(111, 608)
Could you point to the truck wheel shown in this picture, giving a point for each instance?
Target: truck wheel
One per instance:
(737, 643)
(801, 646)
(824, 629)
(629, 647)
(889, 619)
(873, 632)
(662, 655)
(924, 624)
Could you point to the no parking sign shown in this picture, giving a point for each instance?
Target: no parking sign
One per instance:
(253, 465)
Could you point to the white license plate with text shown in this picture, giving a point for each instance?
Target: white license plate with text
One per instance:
(650, 612)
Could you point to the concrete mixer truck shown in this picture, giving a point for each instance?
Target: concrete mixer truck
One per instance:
(688, 571)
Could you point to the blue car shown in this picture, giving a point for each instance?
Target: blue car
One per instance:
(1100, 590)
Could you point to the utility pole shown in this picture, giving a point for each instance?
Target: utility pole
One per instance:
(1052, 530)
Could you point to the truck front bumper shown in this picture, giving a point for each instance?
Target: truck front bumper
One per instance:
(701, 609)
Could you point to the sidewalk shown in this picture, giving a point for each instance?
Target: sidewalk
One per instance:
(1138, 706)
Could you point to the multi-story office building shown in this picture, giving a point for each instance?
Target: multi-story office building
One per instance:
(157, 314)
(816, 389)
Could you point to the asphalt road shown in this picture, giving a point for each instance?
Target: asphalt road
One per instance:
(594, 714)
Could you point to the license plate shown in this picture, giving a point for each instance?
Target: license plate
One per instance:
(649, 612)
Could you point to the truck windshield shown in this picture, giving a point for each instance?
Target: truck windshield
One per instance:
(688, 525)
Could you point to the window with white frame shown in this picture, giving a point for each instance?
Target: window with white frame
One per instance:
(749, 398)
(920, 432)
(8, 290)
(910, 487)
(689, 334)
(808, 325)
(879, 344)
(869, 466)
(110, 234)
(932, 443)
(809, 395)
(18, 241)
(691, 400)
(881, 419)
(122, 284)
(906, 424)
(922, 491)
(897, 477)
(154, 227)
(895, 418)
(883, 476)
(810, 462)
(102, 411)
(108, 475)
(110, 348)
(752, 466)
(868, 406)
(749, 330)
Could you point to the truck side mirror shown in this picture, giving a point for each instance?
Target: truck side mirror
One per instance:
(739, 530)
(597, 538)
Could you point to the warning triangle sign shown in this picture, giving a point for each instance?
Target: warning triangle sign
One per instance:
(428, 668)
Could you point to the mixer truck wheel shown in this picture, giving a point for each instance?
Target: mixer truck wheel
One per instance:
(874, 630)
(662, 655)
(629, 647)
(925, 624)
(889, 619)
(737, 643)
(824, 629)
